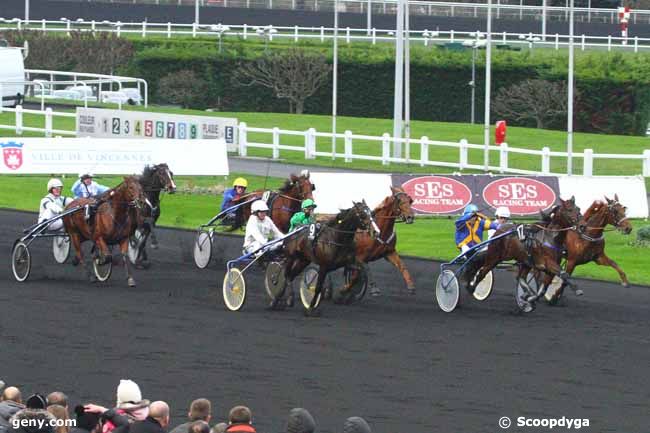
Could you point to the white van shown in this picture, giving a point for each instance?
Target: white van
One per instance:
(12, 70)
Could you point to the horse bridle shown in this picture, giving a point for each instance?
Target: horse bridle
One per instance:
(614, 214)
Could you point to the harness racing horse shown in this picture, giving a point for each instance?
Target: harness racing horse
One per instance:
(586, 243)
(331, 246)
(282, 203)
(119, 213)
(369, 248)
(153, 180)
(534, 246)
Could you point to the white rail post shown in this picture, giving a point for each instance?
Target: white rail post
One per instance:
(245, 31)
(19, 120)
(169, 30)
(348, 145)
(310, 143)
(374, 36)
(503, 158)
(194, 28)
(48, 122)
(44, 25)
(557, 42)
(546, 160)
(243, 139)
(463, 154)
(424, 150)
(385, 148)
(646, 163)
(92, 25)
(276, 142)
(295, 33)
(588, 163)
(609, 42)
(322, 34)
(144, 29)
(347, 35)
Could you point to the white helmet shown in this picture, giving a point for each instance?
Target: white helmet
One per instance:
(502, 212)
(259, 205)
(86, 174)
(54, 183)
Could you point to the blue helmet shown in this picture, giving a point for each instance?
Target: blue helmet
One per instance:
(471, 208)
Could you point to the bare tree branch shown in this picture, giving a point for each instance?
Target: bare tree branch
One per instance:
(294, 75)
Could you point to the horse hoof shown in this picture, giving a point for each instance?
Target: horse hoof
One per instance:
(625, 284)
(410, 290)
(374, 292)
(131, 282)
(579, 292)
(327, 293)
(143, 265)
(290, 301)
(154, 246)
(312, 313)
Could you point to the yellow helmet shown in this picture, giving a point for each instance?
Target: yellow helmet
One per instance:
(240, 181)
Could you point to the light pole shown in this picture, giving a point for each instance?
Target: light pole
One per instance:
(544, 20)
(398, 103)
(335, 73)
(488, 83)
(569, 138)
(475, 44)
(26, 12)
(196, 13)
(369, 17)
(220, 29)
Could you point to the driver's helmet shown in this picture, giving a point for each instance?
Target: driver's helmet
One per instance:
(54, 183)
(86, 175)
(258, 206)
(502, 212)
(307, 203)
(470, 209)
(240, 181)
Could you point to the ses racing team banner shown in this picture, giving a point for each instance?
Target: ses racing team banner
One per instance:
(523, 195)
(105, 123)
(118, 156)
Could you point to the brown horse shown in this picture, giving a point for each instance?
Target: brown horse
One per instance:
(586, 243)
(368, 248)
(118, 215)
(282, 203)
(331, 246)
(538, 250)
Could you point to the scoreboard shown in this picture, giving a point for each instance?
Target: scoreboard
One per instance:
(104, 123)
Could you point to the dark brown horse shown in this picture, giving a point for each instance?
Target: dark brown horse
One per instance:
(118, 215)
(154, 179)
(283, 203)
(587, 244)
(370, 248)
(538, 250)
(330, 247)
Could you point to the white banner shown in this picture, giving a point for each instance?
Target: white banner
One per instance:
(336, 191)
(117, 156)
(631, 192)
(104, 123)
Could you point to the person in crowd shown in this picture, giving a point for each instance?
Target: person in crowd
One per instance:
(219, 428)
(156, 422)
(53, 204)
(36, 401)
(305, 217)
(240, 420)
(130, 407)
(356, 424)
(260, 229)
(198, 427)
(86, 422)
(11, 402)
(300, 421)
(32, 420)
(61, 414)
(200, 410)
(57, 397)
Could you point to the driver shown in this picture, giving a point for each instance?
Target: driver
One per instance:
(260, 229)
(305, 217)
(235, 193)
(470, 227)
(502, 215)
(53, 204)
(85, 187)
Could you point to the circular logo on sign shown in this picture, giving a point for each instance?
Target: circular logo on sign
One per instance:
(437, 194)
(523, 196)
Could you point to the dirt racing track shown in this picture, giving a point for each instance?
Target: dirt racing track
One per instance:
(396, 360)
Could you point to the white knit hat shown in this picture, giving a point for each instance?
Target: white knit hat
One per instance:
(129, 395)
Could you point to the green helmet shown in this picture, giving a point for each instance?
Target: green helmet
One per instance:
(308, 203)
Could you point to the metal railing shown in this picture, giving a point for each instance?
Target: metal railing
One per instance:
(323, 34)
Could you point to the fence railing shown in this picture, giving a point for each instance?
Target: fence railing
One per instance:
(358, 147)
(322, 34)
(502, 9)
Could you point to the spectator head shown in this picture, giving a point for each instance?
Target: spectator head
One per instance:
(300, 421)
(40, 421)
(60, 413)
(86, 420)
(356, 424)
(57, 397)
(240, 415)
(159, 410)
(36, 401)
(12, 394)
(129, 396)
(219, 428)
(199, 427)
(200, 410)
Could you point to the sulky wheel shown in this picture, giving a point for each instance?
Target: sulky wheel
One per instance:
(234, 289)
(61, 248)
(134, 246)
(483, 289)
(203, 249)
(275, 280)
(308, 287)
(447, 291)
(21, 261)
(360, 287)
(520, 297)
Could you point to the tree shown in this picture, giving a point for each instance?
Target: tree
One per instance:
(184, 88)
(539, 101)
(294, 75)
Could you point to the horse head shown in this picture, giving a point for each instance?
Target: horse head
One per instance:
(616, 215)
(299, 187)
(130, 191)
(364, 218)
(160, 177)
(567, 213)
(402, 205)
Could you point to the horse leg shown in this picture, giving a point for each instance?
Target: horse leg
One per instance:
(104, 252)
(76, 243)
(154, 239)
(124, 249)
(395, 259)
(490, 263)
(312, 311)
(603, 260)
(297, 267)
